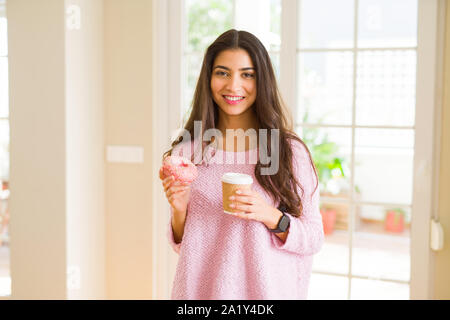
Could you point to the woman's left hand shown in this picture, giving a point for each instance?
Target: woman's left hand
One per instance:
(255, 207)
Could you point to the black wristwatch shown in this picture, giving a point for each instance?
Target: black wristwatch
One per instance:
(283, 224)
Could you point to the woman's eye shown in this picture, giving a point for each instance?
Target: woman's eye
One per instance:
(221, 73)
(248, 75)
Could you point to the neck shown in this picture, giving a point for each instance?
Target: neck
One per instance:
(243, 121)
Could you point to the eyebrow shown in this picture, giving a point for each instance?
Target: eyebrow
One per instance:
(226, 68)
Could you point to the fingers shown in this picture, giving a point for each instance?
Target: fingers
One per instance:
(175, 189)
(167, 182)
(242, 207)
(243, 199)
(245, 216)
(171, 179)
(244, 192)
(176, 194)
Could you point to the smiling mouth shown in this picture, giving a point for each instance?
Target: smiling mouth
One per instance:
(233, 99)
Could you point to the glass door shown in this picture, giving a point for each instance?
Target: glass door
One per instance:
(356, 111)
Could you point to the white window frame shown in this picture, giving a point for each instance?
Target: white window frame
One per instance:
(168, 17)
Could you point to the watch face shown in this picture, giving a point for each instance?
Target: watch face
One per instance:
(284, 223)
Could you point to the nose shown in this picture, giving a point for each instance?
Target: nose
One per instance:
(234, 83)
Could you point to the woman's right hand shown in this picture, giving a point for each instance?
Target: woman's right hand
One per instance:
(176, 193)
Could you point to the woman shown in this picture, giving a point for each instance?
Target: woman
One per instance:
(264, 252)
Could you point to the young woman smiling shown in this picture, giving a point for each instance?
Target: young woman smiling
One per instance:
(264, 252)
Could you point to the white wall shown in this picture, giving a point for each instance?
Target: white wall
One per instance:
(128, 122)
(56, 206)
(37, 118)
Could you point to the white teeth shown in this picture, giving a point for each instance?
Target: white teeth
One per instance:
(234, 98)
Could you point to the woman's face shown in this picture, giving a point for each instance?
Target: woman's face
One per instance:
(233, 81)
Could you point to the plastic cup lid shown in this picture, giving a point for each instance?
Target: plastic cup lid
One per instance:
(237, 178)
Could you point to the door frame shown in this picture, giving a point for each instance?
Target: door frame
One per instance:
(430, 48)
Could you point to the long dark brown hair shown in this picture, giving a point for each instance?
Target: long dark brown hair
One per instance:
(269, 109)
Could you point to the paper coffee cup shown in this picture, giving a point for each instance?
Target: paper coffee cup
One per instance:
(231, 181)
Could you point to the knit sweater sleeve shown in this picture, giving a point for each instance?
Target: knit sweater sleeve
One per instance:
(183, 149)
(305, 236)
(175, 246)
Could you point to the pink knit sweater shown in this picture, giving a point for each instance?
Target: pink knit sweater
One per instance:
(225, 257)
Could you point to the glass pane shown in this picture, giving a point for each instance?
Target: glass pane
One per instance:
(326, 24)
(384, 220)
(325, 87)
(327, 287)
(363, 289)
(275, 58)
(5, 280)
(4, 149)
(261, 18)
(384, 165)
(4, 101)
(331, 152)
(193, 64)
(3, 36)
(275, 25)
(387, 23)
(334, 254)
(386, 88)
(206, 20)
(381, 243)
(330, 149)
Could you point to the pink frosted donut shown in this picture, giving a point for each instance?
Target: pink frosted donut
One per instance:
(181, 168)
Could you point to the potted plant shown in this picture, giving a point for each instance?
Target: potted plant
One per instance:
(394, 220)
(329, 166)
(328, 219)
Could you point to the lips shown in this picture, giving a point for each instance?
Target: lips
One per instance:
(233, 100)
